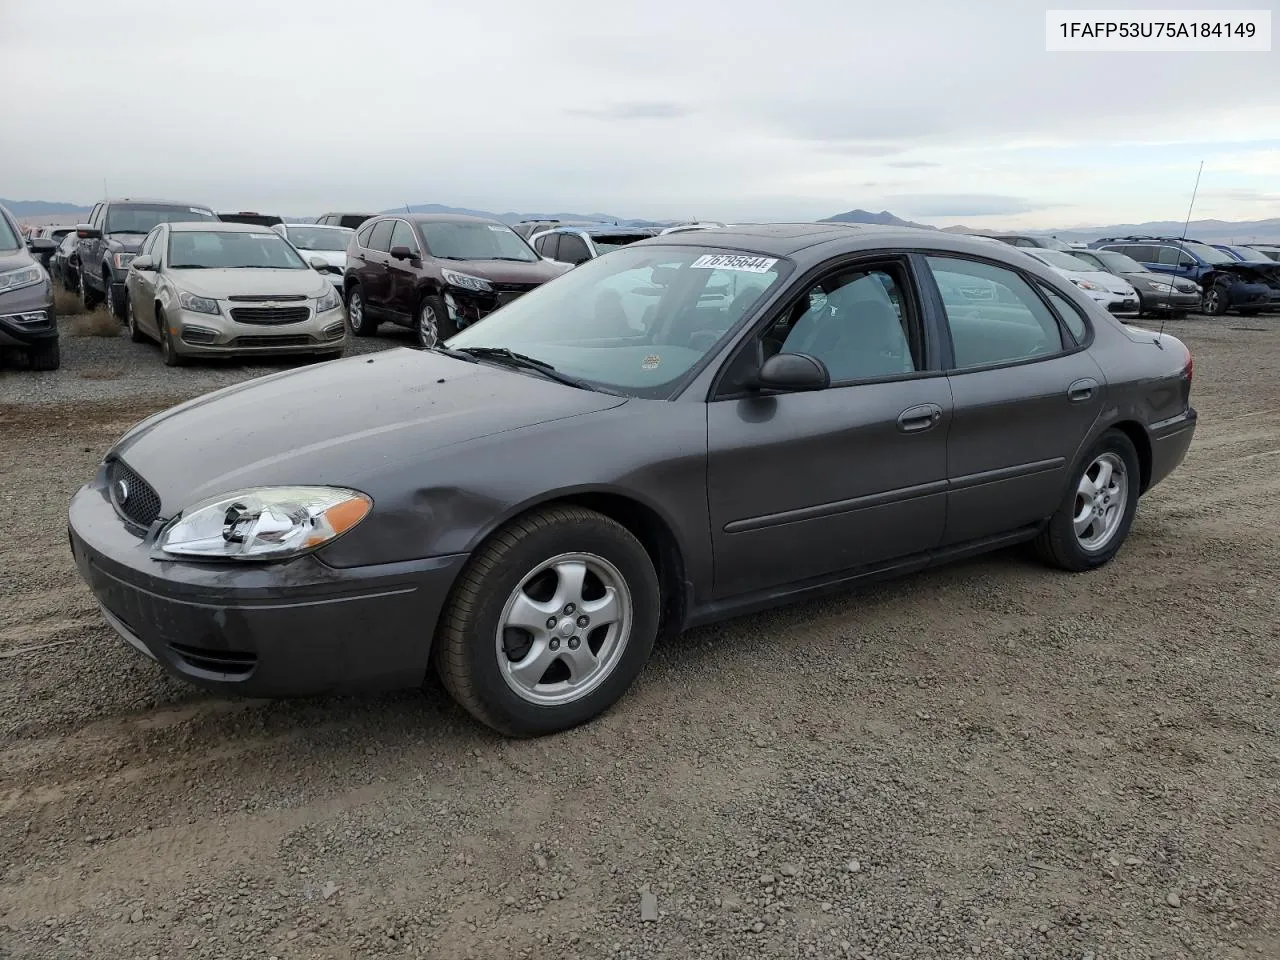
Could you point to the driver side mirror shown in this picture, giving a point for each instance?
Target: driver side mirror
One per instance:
(793, 373)
(85, 232)
(403, 253)
(41, 245)
(318, 263)
(144, 263)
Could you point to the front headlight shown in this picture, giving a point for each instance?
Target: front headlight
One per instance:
(122, 260)
(1085, 284)
(189, 301)
(466, 281)
(266, 523)
(330, 301)
(22, 277)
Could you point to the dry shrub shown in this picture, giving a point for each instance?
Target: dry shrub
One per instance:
(66, 303)
(99, 323)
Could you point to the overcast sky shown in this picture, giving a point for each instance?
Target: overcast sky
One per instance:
(939, 110)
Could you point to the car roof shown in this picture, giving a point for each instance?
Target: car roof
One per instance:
(788, 239)
(160, 201)
(217, 226)
(441, 218)
(316, 226)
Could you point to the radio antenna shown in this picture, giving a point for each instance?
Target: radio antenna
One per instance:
(1186, 224)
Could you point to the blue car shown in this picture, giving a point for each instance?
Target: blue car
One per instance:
(1226, 282)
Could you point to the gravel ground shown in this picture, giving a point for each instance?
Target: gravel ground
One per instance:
(992, 760)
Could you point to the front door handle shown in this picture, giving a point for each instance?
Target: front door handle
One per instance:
(920, 417)
(1081, 390)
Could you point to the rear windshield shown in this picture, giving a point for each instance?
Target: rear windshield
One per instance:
(612, 241)
(142, 218)
(463, 240)
(222, 250)
(320, 238)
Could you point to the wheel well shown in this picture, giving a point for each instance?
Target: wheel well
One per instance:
(349, 285)
(659, 542)
(1142, 443)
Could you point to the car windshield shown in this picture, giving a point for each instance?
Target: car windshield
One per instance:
(1265, 253)
(1064, 261)
(224, 249)
(8, 237)
(1053, 243)
(475, 240)
(1119, 262)
(319, 238)
(1208, 254)
(1244, 253)
(144, 217)
(634, 322)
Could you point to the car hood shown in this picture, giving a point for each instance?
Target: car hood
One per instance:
(1254, 272)
(127, 242)
(14, 259)
(509, 271)
(1107, 281)
(220, 284)
(340, 423)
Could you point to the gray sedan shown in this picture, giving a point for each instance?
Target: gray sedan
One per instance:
(696, 426)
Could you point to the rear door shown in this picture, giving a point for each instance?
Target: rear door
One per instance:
(1025, 393)
(808, 485)
(372, 270)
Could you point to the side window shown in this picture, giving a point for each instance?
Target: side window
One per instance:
(149, 243)
(1022, 242)
(1006, 323)
(93, 217)
(547, 245)
(1167, 255)
(380, 239)
(856, 321)
(572, 249)
(326, 220)
(1070, 315)
(362, 237)
(402, 236)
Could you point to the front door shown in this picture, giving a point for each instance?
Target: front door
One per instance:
(807, 485)
(141, 284)
(402, 275)
(1026, 396)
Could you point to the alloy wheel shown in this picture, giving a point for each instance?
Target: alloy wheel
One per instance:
(355, 311)
(564, 629)
(428, 328)
(1100, 503)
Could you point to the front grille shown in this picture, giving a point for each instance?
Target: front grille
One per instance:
(507, 296)
(133, 497)
(299, 340)
(516, 288)
(270, 315)
(271, 298)
(223, 662)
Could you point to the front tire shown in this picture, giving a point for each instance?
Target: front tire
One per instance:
(358, 315)
(549, 623)
(117, 304)
(88, 296)
(168, 353)
(432, 325)
(1093, 520)
(1216, 301)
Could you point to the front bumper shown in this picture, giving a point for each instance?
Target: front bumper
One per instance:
(467, 306)
(205, 334)
(1171, 300)
(27, 316)
(296, 628)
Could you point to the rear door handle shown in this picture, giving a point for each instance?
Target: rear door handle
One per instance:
(1081, 390)
(920, 417)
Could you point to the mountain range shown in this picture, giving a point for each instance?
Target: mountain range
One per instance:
(1212, 231)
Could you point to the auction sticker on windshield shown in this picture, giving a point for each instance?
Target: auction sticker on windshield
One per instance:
(729, 261)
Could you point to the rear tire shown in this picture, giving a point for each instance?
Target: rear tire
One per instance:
(1088, 529)
(480, 644)
(358, 314)
(44, 355)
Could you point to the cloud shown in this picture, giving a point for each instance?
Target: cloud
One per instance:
(912, 164)
(856, 149)
(636, 110)
(959, 204)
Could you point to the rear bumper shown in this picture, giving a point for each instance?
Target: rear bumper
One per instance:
(262, 630)
(1170, 440)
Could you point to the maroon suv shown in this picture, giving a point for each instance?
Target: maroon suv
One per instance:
(437, 273)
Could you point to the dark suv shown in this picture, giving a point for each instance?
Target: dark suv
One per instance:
(437, 273)
(27, 321)
(111, 239)
(1225, 282)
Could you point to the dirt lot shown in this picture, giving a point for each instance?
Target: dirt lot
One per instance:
(994, 760)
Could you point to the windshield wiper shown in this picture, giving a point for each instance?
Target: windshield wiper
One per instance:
(139, 232)
(512, 259)
(188, 266)
(524, 362)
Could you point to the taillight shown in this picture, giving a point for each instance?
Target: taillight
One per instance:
(1188, 369)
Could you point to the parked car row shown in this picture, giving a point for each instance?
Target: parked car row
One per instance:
(28, 321)
(1167, 274)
